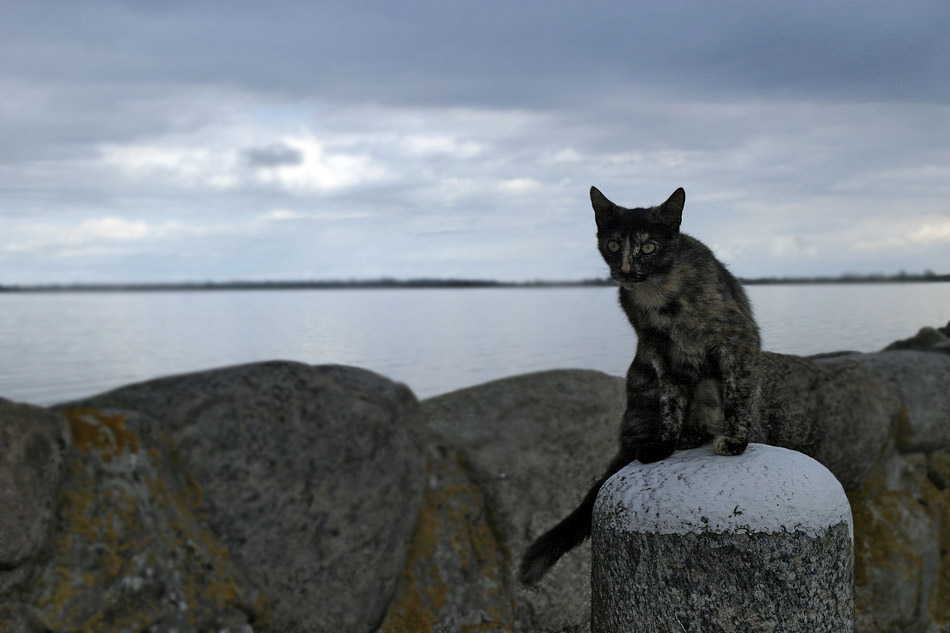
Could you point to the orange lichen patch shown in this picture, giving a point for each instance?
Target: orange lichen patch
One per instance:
(217, 551)
(878, 513)
(193, 495)
(482, 627)
(129, 526)
(93, 525)
(171, 451)
(938, 474)
(262, 614)
(410, 612)
(190, 588)
(128, 620)
(884, 516)
(76, 504)
(154, 456)
(69, 587)
(222, 591)
(903, 430)
(453, 523)
(76, 468)
(15, 618)
(93, 429)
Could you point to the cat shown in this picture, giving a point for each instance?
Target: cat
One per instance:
(694, 375)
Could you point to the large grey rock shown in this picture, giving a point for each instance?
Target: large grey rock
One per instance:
(698, 542)
(847, 410)
(902, 544)
(833, 409)
(922, 383)
(129, 549)
(311, 477)
(902, 504)
(927, 339)
(881, 423)
(533, 444)
(31, 444)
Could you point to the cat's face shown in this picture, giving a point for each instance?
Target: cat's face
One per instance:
(637, 243)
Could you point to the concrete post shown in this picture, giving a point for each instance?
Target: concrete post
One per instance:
(701, 543)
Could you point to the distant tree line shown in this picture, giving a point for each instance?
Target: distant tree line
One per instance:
(927, 275)
(383, 283)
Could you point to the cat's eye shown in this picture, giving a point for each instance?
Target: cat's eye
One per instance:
(648, 248)
(613, 246)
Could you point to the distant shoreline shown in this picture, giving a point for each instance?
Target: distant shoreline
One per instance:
(379, 284)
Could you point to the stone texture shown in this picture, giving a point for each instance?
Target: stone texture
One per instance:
(304, 485)
(766, 489)
(456, 573)
(31, 444)
(18, 618)
(927, 339)
(533, 444)
(922, 384)
(698, 542)
(311, 478)
(718, 583)
(902, 544)
(130, 551)
(831, 408)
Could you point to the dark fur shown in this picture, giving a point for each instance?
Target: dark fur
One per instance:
(694, 374)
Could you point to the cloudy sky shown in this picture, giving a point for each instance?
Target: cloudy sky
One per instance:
(177, 141)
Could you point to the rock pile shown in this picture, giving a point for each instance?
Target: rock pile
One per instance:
(278, 496)
(274, 496)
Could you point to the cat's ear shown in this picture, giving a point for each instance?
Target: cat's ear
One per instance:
(603, 207)
(671, 211)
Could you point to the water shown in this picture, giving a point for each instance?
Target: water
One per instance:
(55, 347)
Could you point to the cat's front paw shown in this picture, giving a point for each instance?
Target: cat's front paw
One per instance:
(691, 439)
(730, 446)
(655, 451)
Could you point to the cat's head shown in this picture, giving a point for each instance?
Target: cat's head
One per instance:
(638, 243)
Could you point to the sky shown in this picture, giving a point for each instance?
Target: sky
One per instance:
(217, 141)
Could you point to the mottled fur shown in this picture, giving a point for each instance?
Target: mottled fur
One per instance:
(693, 377)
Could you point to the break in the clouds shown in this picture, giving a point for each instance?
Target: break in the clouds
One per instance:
(200, 140)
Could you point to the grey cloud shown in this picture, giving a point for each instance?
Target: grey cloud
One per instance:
(77, 74)
(773, 116)
(496, 54)
(276, 155)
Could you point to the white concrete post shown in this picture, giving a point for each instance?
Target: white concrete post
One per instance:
(701, 543)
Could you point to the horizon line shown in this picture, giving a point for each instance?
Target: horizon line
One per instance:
(426, 282)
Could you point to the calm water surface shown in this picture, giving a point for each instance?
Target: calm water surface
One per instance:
(55, 347)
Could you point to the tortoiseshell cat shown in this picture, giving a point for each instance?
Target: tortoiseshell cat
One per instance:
(694, 374)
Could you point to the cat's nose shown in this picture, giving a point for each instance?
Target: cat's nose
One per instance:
(626, 267)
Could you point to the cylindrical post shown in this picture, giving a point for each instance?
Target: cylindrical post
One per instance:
(701, 543)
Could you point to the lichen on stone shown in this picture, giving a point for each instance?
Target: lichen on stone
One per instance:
(455, 574)
(900, 513)
(130, 551)
(94, 429)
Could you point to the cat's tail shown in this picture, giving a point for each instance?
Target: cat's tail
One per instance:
(559, 540)
(573, 530)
